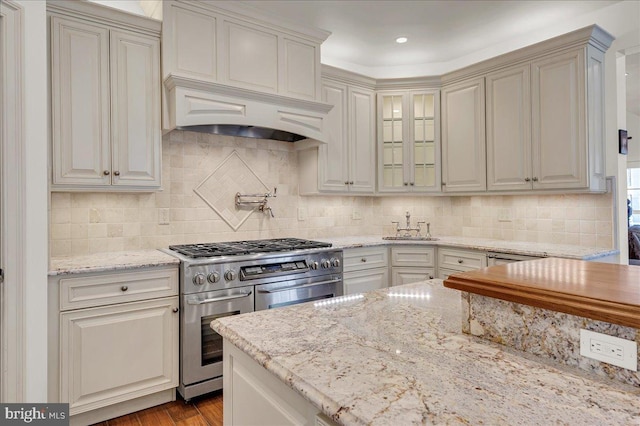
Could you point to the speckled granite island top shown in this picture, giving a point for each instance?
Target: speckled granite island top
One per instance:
(102, 262)
(485, 244)
(396, 357)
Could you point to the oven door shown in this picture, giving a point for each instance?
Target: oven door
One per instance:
(200, 346)
(291, 292)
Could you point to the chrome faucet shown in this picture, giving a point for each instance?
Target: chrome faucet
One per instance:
(407, 229)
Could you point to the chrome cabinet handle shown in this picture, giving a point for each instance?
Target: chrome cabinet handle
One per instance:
(106, 172)
(124, 288)
(295, 287)
(218, 299)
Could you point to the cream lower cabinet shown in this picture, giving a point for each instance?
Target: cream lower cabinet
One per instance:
(116, 353)
(114, 341)
(365, 269)
(411, 264)
(105, 99)
(451, 261)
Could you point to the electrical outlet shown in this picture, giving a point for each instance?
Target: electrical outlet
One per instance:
(609, 349)
(163, 216)
(504, 215)
(302, 213)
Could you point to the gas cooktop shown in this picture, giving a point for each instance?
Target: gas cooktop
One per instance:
(232, 248)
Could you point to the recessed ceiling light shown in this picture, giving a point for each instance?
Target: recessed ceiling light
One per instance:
(401, 40)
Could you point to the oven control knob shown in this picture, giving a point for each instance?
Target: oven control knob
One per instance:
(199, 279)
(313, 265)
(213, 277)
(335, 262)
(325, 264)
(230, 275)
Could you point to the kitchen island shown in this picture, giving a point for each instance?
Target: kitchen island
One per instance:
(397, 356)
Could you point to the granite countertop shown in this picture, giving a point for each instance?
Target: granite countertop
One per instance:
(101, 262)
(502, 246)
(397, 356)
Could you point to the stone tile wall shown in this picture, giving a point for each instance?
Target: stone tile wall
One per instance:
(99, 222)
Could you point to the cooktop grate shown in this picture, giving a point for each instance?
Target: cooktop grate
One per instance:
(233, 248)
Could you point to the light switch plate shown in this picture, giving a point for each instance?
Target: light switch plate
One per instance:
(163, 216)
(609, 349)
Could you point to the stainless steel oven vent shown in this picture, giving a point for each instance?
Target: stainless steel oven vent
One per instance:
(245, 132)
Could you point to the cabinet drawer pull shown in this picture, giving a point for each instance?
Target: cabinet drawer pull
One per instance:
(430, 277)
(364, 259)
(460, 260)
(124, 288)
(106, 172)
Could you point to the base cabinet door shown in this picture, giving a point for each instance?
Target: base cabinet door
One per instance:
(116, 353)
(411, 275)
(366, 280)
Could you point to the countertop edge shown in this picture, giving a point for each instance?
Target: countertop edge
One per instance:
(111, 261)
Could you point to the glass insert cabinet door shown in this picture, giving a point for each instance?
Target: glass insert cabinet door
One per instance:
(409, 139)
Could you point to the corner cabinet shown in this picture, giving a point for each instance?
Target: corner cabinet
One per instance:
(105, 99)
(114, 341)
(346, 164)
(409, 141)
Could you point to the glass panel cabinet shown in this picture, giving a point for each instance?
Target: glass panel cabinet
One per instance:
(409, 141)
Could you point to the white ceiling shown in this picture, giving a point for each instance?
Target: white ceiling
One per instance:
(441, 33)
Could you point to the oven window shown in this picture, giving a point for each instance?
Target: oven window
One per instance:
(295, 302)
(212, 341)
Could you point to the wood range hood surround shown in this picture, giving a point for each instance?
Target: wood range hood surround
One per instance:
(227, 65)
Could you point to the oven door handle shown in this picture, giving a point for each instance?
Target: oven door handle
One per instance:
(218, 299)
(295, 287)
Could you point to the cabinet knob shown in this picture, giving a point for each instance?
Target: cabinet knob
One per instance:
(364, 259)
(460, 260)
(124, 288)
(106, 172)
(443, 184)
(117, 173)
(535, 179)
(346, 182)
(527, 179)
(412, 183)
(175, 310)
(430, 277)
(406, 183)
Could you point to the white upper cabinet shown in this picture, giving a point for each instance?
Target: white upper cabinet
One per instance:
(346, 163)
(544, 119)
(509, 129)
(409, 141)
(105, 95)
(463, 137)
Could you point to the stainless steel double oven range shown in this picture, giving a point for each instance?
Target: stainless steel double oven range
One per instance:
(222, 279)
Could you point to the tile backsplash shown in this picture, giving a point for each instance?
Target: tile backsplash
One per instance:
(84, 223)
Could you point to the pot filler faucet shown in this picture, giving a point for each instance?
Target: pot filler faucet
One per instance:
(407, 229)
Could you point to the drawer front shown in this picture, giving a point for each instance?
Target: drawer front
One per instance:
(443, 273)
(461, 260)
(357, 259)
(107, 289)
(412, 256)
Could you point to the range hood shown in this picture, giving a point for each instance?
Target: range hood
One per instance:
(204, 106)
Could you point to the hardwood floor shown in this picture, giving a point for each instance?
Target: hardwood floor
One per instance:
(202, 411)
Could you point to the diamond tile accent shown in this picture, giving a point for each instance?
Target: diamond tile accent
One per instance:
(219, 189)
